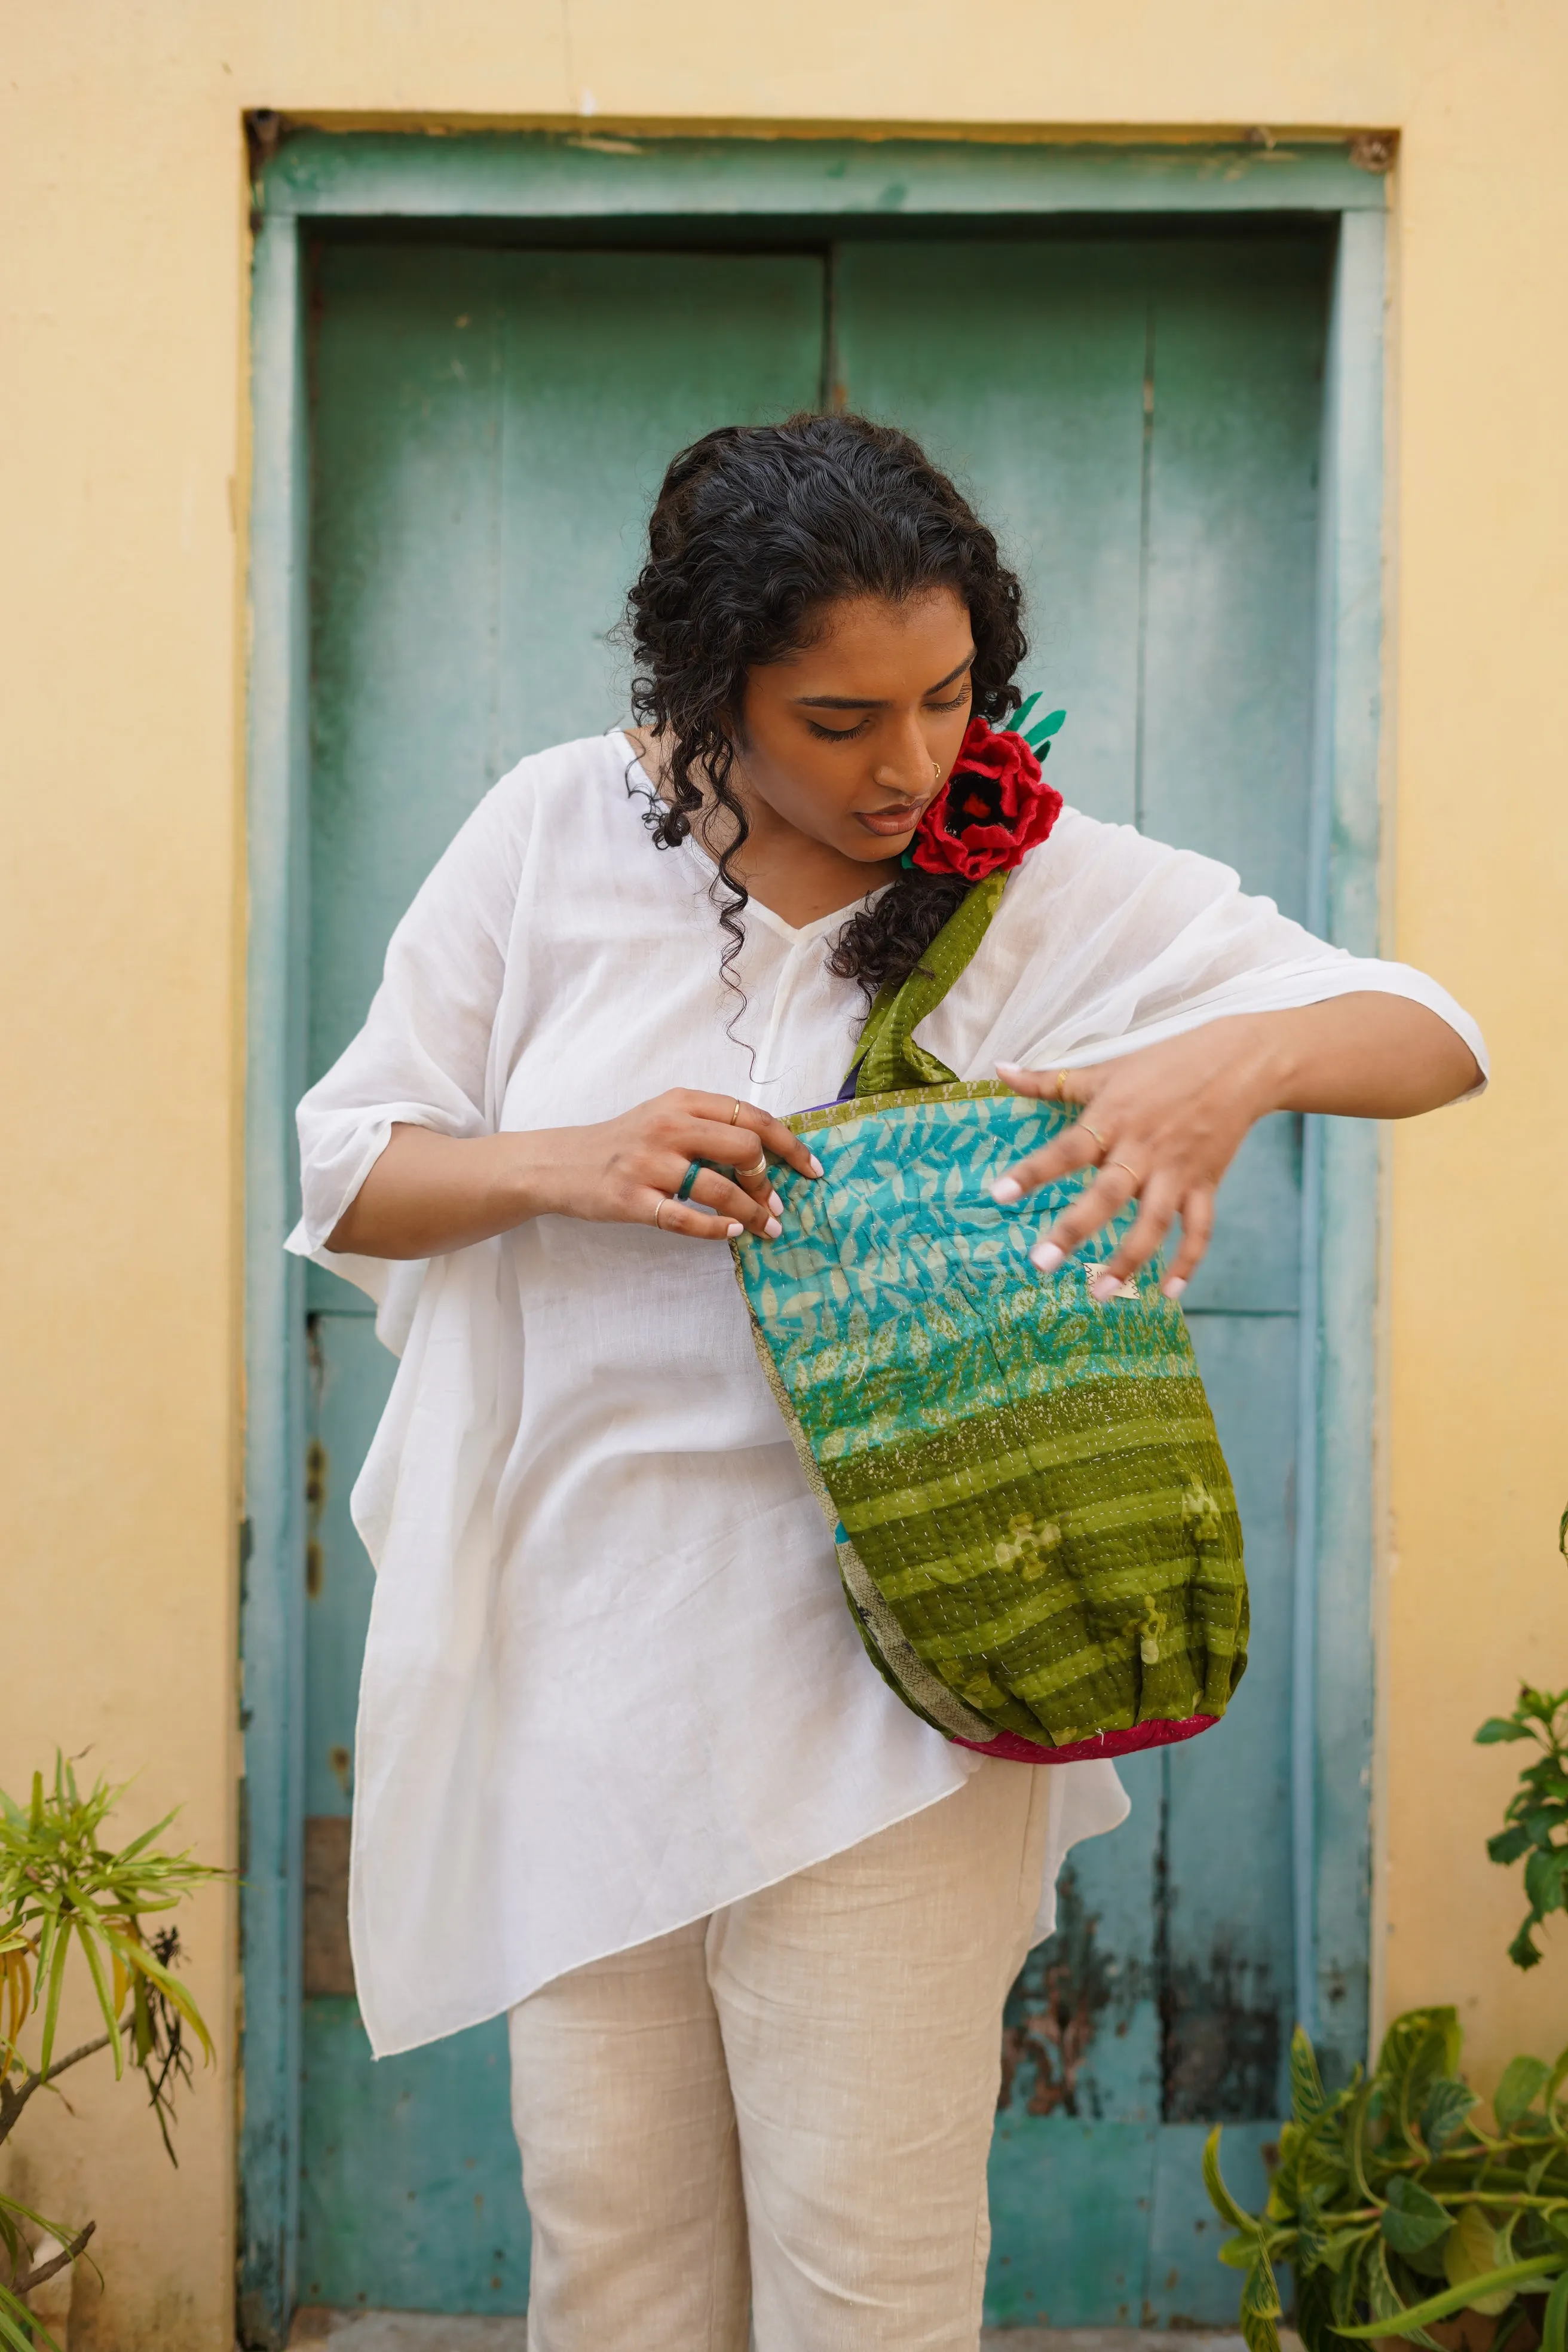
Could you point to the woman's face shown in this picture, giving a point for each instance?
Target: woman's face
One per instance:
(847, 740)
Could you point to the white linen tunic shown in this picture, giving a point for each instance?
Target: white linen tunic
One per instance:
(611, 1684)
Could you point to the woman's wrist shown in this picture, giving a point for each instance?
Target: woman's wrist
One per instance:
(1271, 1062)
(532, 1178)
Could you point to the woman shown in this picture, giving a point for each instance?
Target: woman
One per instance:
(623, 1769)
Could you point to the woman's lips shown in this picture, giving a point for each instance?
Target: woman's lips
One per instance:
(891, 822)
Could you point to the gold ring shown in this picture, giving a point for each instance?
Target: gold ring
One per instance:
(1096, 1133)
(1061, 1085)
(1137, 1180)
(658, 1212)
(734, 1115)
(757, 1170)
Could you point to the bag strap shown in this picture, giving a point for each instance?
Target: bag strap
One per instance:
(887, 1059)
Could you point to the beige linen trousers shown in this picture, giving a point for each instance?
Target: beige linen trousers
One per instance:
(778, 2118)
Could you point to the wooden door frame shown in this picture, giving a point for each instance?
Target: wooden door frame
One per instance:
(580, 179)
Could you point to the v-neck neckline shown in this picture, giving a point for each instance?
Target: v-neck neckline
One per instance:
(794, 933)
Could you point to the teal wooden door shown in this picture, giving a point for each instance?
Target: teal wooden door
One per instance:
(1141, 419)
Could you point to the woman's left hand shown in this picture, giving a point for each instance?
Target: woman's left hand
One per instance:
(1165, 1123)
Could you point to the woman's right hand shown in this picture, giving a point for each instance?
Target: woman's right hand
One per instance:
(628, 1170)
(429, 1192)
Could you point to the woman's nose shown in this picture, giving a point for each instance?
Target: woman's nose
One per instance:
(907, 767)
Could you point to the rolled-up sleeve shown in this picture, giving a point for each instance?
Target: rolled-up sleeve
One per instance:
(422, 1057)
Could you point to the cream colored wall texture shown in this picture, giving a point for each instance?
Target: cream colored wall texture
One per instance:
(123, 263)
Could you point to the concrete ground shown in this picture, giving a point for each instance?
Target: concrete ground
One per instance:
(406, 2331)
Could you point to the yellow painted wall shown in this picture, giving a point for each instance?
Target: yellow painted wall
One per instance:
(122, 468)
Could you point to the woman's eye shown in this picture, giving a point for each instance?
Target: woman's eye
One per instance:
(957, 703)
(836, 734)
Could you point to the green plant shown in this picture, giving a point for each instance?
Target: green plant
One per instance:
(1396, 2209)
(59, 1885)
(1537, 1814)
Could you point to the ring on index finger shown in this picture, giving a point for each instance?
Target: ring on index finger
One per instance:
(1137, 1180)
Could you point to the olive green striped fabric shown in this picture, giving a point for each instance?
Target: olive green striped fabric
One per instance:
(1035, 1522)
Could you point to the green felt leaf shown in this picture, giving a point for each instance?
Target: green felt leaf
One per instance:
(1412, 2217)
(1015, 724)
(1051, 725)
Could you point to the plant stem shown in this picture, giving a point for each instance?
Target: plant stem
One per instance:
(30, 2279)
(13, 2102)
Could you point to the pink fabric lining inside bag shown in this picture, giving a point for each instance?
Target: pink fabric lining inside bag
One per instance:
(1012, 1750)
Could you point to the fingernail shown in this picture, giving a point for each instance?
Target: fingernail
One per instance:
(775, 1204)
(1174, 1286)
(1009, 1069)
(1047, 1257)
(815, 1165)
(733, 1231)
(772, 1229)
(1105, 1287)
(1006, 1190)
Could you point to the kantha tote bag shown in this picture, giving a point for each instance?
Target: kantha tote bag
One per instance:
(1035, 1525)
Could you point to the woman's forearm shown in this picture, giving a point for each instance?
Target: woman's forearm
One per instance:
(1367, 1056)
(430, 1192)
(693, 1164)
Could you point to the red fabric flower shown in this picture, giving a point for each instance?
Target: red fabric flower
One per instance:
(993, 808)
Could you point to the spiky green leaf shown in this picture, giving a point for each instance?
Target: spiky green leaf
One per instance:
(1220, 2198)
(1307, 2095)
(1487, 2286)
(1260, 2306)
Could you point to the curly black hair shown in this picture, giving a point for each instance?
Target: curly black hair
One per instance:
(756, 531)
